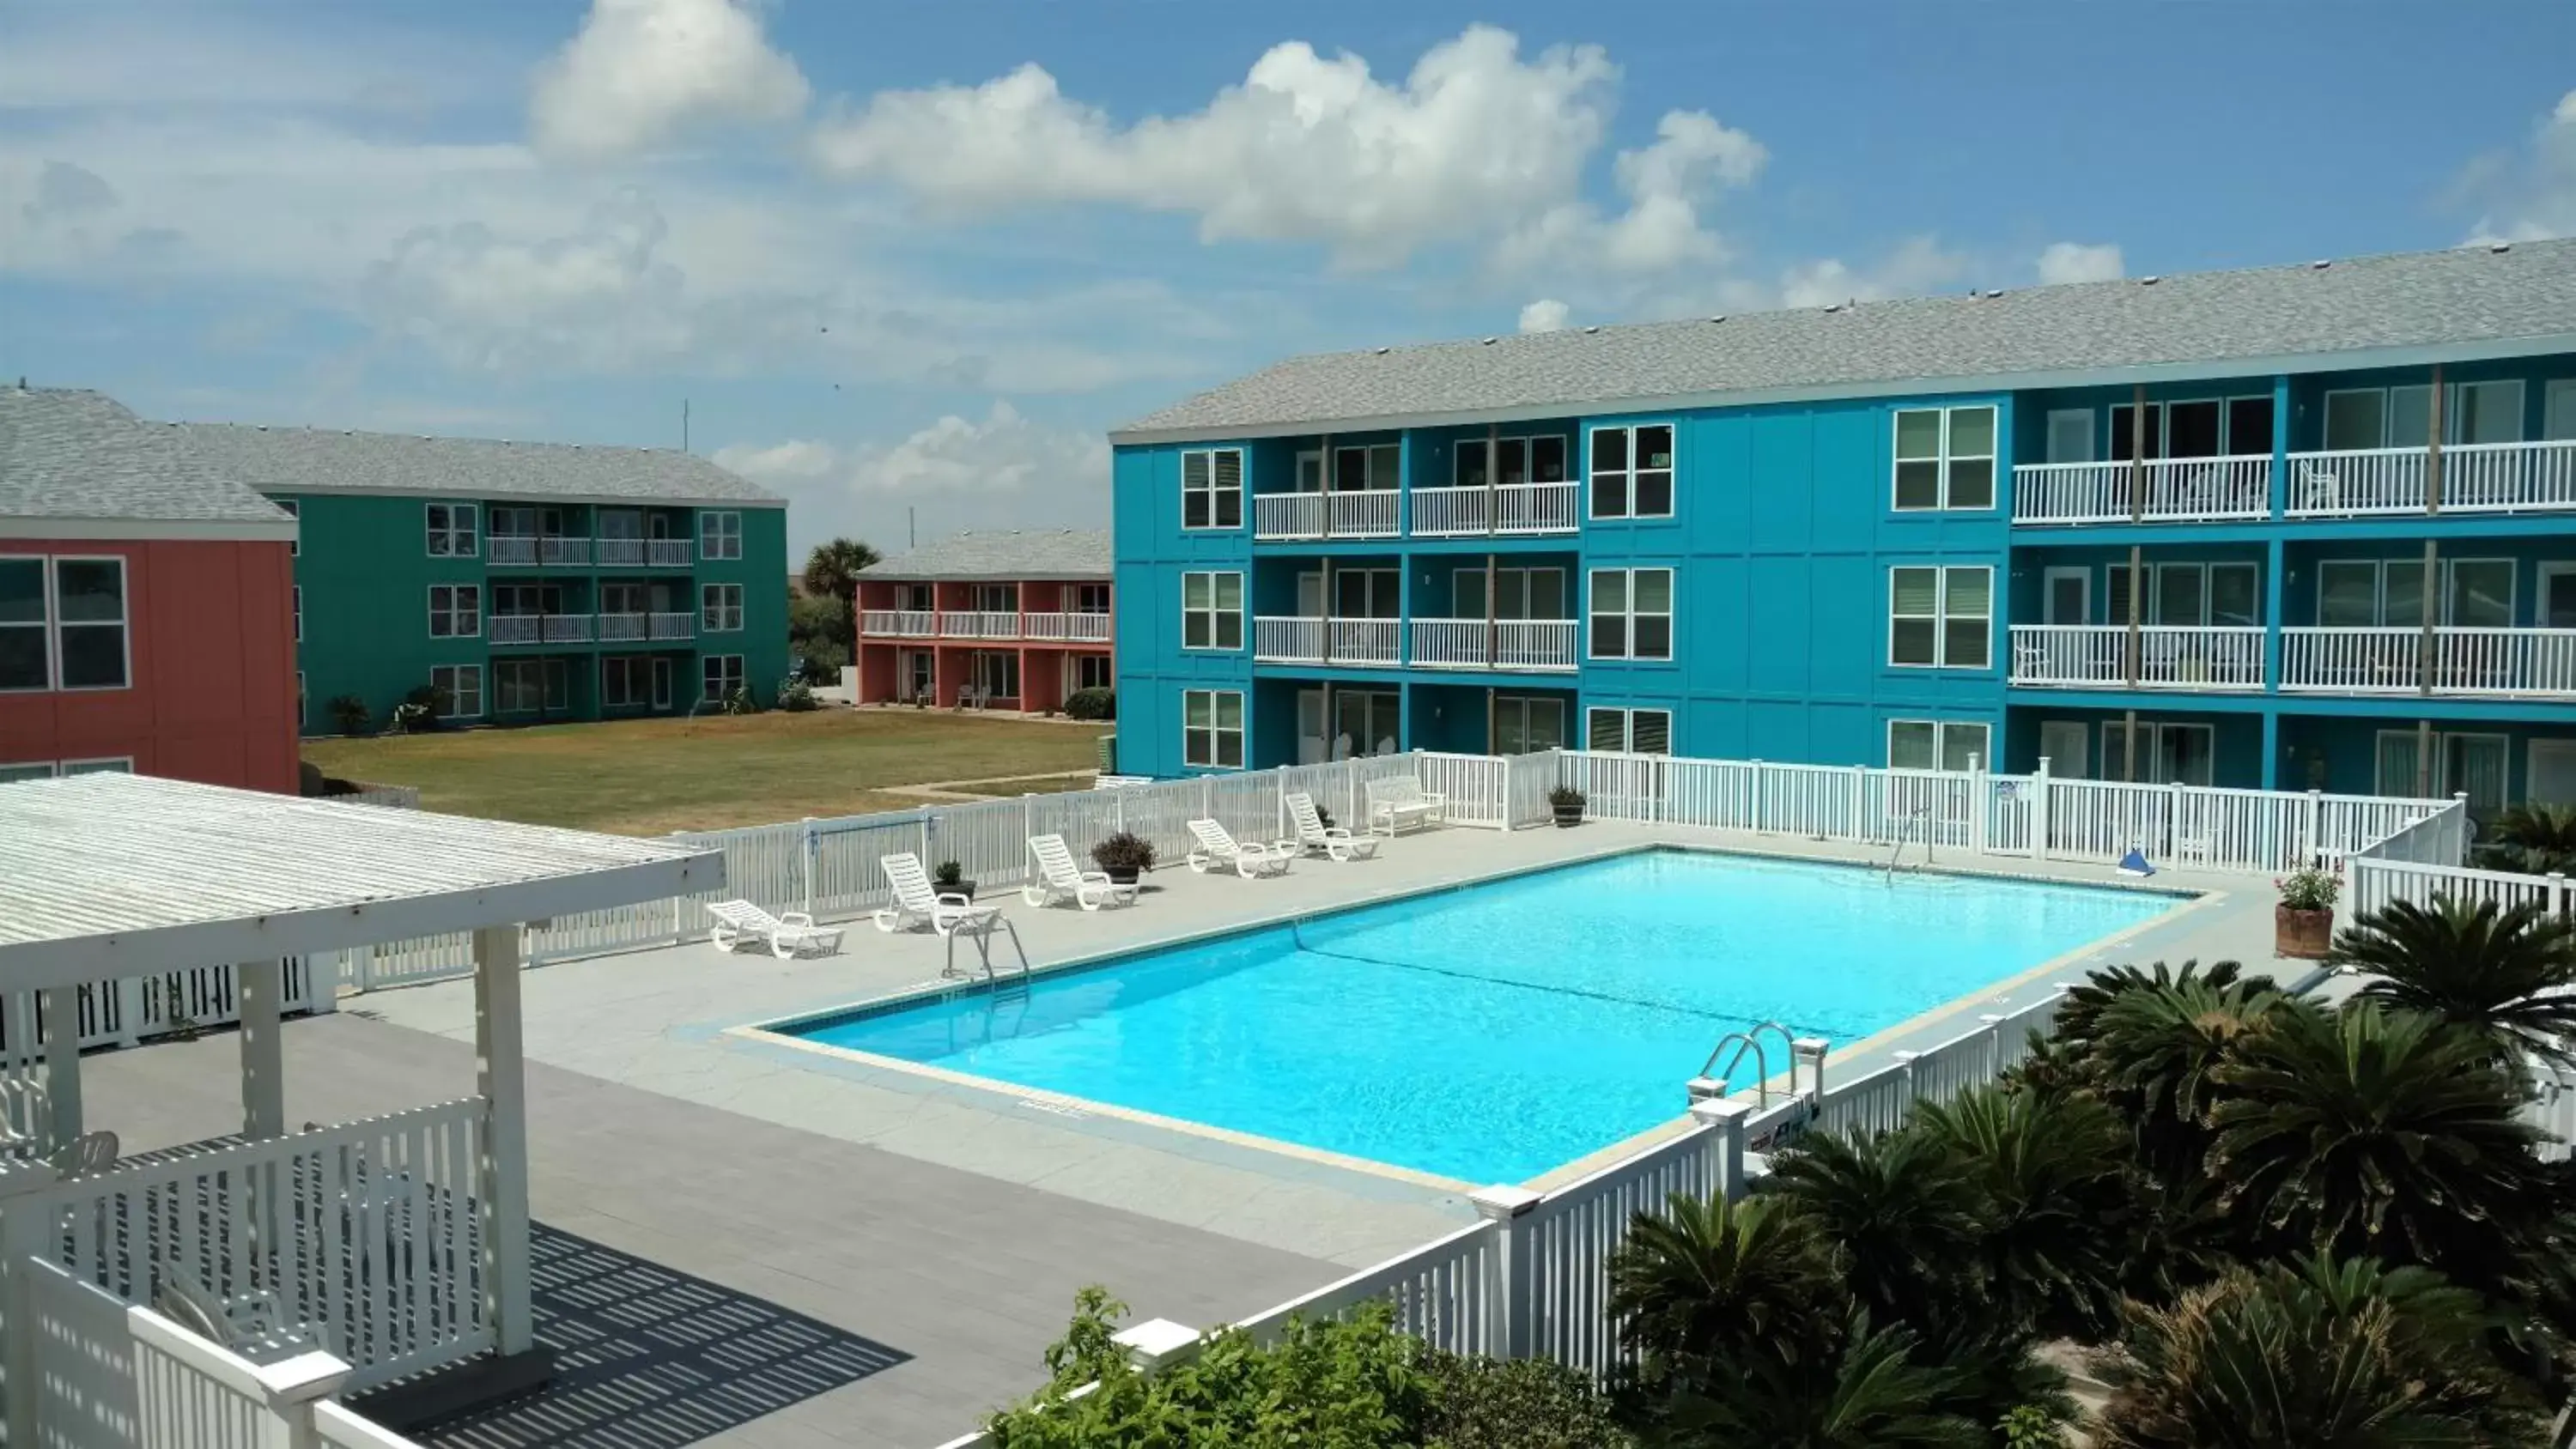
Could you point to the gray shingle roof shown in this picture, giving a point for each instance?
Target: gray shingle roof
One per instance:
(2359, 310)
(323, 460)
(71, 454)
(1065, 553)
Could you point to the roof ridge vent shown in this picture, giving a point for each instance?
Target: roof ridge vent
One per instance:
(1489, 342)
(1720, 317)
(1595, 327)
(2320, 264)
(1383, 351)
(2500, 248)
(2149, 280)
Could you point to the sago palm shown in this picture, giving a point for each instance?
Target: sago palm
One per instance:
(2057, 1203)
(2533, 839)
(2314, 1353)
(1707, 1282)
(2509, 974)
(1901, 1211)
(2154, 1048)
(2371, 1131)
(1871, 1395)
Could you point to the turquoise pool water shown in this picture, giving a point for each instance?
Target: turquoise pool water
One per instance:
(1498, 1031)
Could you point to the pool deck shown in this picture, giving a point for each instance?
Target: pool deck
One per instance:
(948, 1221)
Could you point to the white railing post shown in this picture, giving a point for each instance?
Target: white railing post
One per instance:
(1727, 1146)
(1979, 806)
(129, 1010)
(1509, 1330)
(1809, 1052)
(1994, 1043)
(1859, 802)
(1905, 1076)
(1759, 792)
(1156, 1343)
(2557, 894)
(2039, 809)
(2311, 820)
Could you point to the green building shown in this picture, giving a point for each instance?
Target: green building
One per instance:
(527, 582)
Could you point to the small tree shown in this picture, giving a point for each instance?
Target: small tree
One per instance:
(349, 714)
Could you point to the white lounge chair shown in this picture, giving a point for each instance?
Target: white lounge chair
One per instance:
(787, 936)
(1060, 879)
(1313, 835)
(1248, 857)
(916, 903)
(1398, 804)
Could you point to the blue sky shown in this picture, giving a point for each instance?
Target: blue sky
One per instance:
(920, 257)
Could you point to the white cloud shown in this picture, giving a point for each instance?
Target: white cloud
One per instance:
(1544, 315)
(1476, 141)
(1666, 185)
(1917, 266)
(598, 297)
(2078, 262)
(2532, 195)
(1003, 469)
(641, 71)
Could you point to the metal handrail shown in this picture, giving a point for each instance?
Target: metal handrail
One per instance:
(1751, 1041)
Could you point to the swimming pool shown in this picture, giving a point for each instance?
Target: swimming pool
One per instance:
(1495, 1031)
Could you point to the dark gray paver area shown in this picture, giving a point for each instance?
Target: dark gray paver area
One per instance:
(954, 1280)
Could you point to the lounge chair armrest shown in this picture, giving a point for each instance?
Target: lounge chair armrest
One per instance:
(796, 918)
(958, 899)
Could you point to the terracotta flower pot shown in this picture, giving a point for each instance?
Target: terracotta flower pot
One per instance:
(2302, 934)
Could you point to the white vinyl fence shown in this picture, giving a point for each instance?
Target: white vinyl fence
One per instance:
(119, 1376)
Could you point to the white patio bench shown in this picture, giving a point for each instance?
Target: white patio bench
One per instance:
(1401, 804)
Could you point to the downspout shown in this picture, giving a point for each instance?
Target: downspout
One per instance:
(2432, 507)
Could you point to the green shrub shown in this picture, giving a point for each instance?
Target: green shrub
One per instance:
(795, 696)
(349, 714)
(1091, 704)
(1531, 1403)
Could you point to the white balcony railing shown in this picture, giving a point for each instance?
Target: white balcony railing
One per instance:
(1507, 508)
(1325, 515)
(1364, 641)
(504, 550)
(2467, 663)
(618, 553)
(1288, 641)
(2170, 656)
(666, 553)
(899, 623)
(979, 624)
(2476, 478)
(622, 628)
(1532, 644)
(2166, 489)
(672, 626)
(537, 628)
(564, 552)
(1068, 628)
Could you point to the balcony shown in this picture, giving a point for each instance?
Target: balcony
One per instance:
(621, 553)
(1506, 508)
(2476, 478)
(623, 628)
(979, 624)
(899, 623)
(537, 628)
(2166, 490)
(504, 550)
(1066, 628)
(2465, 664)
(1325, 641)
(1370, 514)
(564, 552)
(671, 626)
(666, 553)
(527, 550)
(2169, 656)
(1527, 644)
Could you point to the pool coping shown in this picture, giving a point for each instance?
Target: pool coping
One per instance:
(770, 1033)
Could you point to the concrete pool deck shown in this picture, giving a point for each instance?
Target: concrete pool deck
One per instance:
(946, 1222)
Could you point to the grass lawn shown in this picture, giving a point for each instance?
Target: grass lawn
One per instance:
(649, 777)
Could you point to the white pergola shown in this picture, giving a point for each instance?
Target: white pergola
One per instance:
(110, 876)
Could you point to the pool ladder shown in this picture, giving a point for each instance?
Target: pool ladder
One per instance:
(1913, 818)
(1751, 1041)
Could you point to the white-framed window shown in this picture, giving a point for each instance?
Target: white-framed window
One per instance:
(1941, 617)
(1212, 488)
(1212, 728)
(455, 611)
(625, 681)
(2198, 427)
(1632, 471)
(296, 594)
(1091, 671)
(294, 509)
(26, 626)
(451, 530)
(1632, 614)
(720, 535)
(1538, 459)
(2402, 417)
(1091, 598)
(720, 608)
(2169, 753)
(1527, 723)
(90, 638)
(1945, 458)
(529, 686)
(1945, 744)
(460, 690)
(1211, 611)
(720, 676)
(17, 770)
(1628, 731)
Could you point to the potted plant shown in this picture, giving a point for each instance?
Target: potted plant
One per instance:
(1567, 802)
(2303, 922)
(951, 879)
(1125, 856)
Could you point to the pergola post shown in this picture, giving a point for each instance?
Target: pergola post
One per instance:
(62, 1061)
(502, 1187)
(261, 988)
